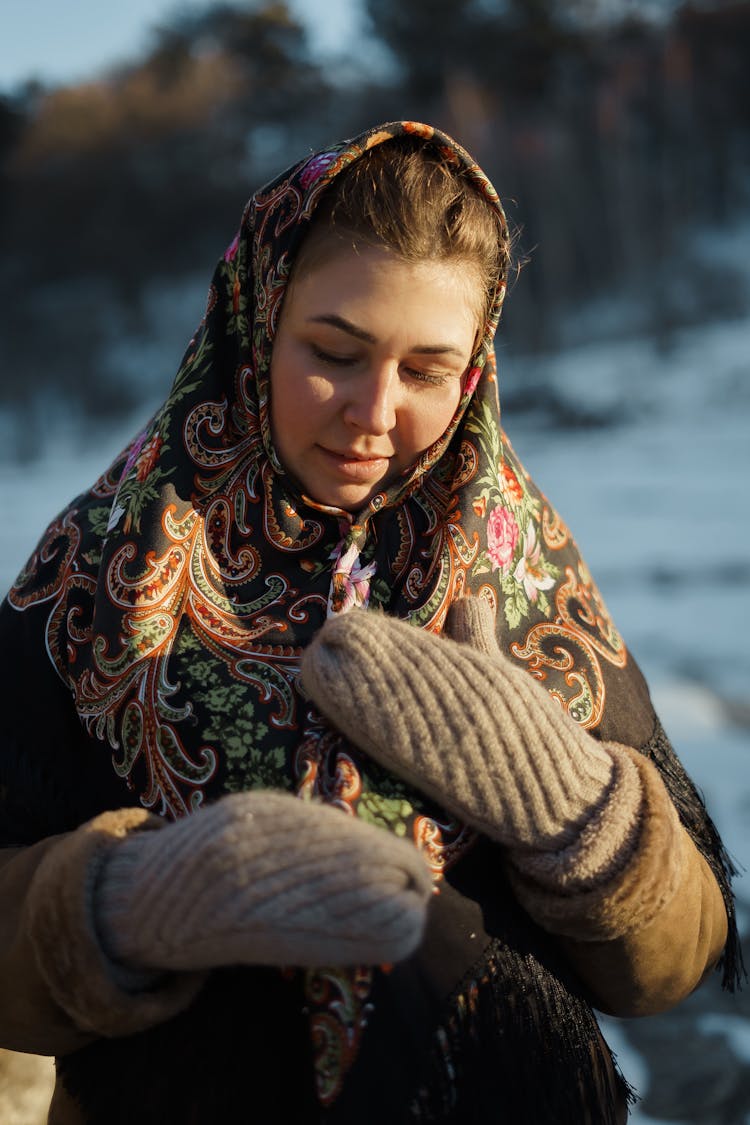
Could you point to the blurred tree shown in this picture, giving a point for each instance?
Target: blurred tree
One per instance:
(513, 44)
(12, 121)
(140, 176)
(12, 124)
(164, 141)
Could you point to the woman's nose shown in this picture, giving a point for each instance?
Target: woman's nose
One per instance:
(372, 403)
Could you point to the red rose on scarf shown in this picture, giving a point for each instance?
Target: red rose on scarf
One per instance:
(472, 379)
(502, 536)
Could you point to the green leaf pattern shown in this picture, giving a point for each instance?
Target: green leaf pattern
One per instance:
(232, 725)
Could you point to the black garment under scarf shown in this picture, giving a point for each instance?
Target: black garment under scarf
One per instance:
(173, 601)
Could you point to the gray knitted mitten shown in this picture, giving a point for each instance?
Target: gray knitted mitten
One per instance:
(261, 878)
(480, 736)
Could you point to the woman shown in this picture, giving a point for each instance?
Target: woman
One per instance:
(481, 853)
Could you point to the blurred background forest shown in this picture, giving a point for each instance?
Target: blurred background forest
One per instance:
(613, 134)
(618, 135)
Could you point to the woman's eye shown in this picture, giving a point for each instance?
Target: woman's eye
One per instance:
(330, 359)
(334, 359)
(432, 377)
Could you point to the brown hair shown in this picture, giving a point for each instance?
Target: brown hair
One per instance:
(404, 196)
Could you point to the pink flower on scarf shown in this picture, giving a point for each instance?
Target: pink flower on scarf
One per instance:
(472, 379)
(315, 168)
(134, 453)
(502, 536)
(231, 251)
(350, 585)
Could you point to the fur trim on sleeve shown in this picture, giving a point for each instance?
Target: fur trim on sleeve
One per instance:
(98, 995)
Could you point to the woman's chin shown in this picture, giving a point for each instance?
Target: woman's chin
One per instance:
(350, 498)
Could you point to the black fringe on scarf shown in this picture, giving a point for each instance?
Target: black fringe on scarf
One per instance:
(520, 1047)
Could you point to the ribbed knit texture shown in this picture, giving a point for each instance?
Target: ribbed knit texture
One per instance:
(262, 878)
(461, 723)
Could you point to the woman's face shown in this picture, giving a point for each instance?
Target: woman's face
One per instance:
(368, 366)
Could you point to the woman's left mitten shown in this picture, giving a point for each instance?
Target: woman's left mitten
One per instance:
(464, 725)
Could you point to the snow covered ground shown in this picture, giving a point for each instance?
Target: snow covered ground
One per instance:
(653, 478)
(659, 505)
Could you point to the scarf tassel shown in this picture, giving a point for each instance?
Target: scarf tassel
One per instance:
(516, 1036)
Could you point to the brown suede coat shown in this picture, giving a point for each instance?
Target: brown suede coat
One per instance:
(638, 946)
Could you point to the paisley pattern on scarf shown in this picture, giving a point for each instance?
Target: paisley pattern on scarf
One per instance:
(341, 1002)
(185, 585)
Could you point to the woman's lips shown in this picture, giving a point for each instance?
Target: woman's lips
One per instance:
(354, 466)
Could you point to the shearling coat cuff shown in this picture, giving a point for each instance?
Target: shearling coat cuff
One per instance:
(626, 899)
(99, 996)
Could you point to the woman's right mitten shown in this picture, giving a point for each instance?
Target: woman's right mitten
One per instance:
(261, 878)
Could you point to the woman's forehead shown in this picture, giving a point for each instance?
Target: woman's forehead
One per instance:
(372, 287)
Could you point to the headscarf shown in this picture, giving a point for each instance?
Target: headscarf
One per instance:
(181, 590)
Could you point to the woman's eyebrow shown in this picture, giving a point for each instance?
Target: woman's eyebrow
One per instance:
(438, 349)
(345, 326)
(358, 333)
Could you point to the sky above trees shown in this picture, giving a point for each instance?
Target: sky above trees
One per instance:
(58, 43)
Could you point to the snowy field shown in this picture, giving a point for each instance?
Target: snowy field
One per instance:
(654, 483)
(659, 505)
